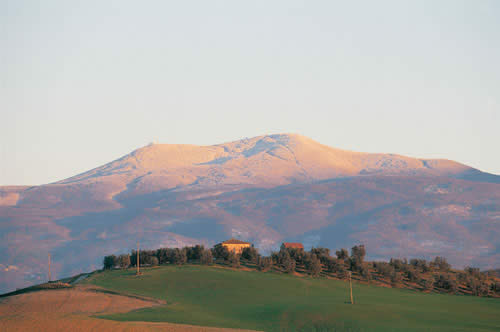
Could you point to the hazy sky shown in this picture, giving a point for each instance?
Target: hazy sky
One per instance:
(85, 82)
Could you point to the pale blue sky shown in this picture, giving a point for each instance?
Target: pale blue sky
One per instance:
(85, 82)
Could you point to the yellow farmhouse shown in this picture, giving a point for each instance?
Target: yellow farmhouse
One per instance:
(236, 245)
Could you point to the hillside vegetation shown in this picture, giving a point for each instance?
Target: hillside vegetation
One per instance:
(242, 298)
(416, 274)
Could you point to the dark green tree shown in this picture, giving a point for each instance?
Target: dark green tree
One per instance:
(342, 254)
(313, 265)
(233, 259)
(194, 253)
(396, 278)
(413, 275)
(178, 256)
(220, 252)
(420, 264)
(446, 282)
(264, 263)
(109, 262)
(322, 253)
(364, 271)
(250, 254)
(384, 269)
(358, 252)
(153, 261)
(124, 261)
(206, 257)
(286, 261)
(163, 255)
(441, 264)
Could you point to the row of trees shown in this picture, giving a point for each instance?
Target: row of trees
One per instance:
(176, 256)
(426, 275)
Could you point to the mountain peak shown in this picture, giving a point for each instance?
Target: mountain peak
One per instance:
(262, 160)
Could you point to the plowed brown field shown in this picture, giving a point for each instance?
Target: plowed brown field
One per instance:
(70, 310)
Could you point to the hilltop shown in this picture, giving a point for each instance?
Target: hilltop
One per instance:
(266, 190)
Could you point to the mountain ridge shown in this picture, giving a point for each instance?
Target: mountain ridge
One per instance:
(266, 189)
(311, 160)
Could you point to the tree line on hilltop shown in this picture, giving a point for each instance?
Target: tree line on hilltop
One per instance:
(436, 275)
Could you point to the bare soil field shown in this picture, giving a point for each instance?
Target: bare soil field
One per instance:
(71, 310)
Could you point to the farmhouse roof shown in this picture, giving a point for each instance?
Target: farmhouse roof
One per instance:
(296, 245)
(235, 241)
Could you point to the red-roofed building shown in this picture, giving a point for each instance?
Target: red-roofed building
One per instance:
(292, 245)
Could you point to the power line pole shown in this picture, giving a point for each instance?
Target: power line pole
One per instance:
(138, 269)
(350, 286)
(50, 277)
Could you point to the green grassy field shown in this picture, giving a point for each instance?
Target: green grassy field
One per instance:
(214, 296)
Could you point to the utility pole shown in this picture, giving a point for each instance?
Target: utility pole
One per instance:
(350, 286)
(50, 277)
(138, 269)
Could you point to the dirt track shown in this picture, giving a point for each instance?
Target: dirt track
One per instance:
(69, 310)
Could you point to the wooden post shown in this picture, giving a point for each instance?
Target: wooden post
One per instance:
(50, 277)
(138, 269)
(350, 286)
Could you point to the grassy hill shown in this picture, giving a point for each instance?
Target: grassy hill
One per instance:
(222, 297)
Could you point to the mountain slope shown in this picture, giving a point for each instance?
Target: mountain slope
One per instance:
(265, 189)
